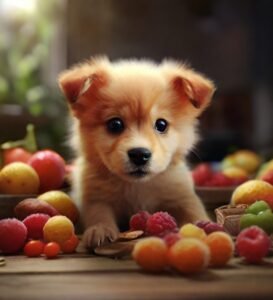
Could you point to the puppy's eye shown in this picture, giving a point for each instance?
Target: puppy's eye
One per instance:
(115, 125)
(161, 125)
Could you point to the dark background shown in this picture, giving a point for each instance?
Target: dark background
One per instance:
(230, 41)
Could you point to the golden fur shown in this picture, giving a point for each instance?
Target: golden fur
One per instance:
(138, 92)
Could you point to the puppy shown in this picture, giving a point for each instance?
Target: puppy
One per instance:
(134, 121)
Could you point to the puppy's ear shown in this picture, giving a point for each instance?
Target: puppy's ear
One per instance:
(194, 88)
(189, 85)
(75, 83)
(81, 83)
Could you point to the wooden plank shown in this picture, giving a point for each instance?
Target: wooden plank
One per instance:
(66, 263)
(135, 285)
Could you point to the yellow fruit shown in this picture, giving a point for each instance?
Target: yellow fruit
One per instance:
(19, 178)
(235, 172)
(247, 160)
(244, 159)
(251, 191)
(62, 203)
(58, 229)
(193, 231)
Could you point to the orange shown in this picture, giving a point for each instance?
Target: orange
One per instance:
(221, 248)
(189, 255)
(62, 203)
(19, 178)
(151, 254)
(251, 191)
(58, 229)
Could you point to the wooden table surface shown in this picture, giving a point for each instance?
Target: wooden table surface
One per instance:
(85, 276)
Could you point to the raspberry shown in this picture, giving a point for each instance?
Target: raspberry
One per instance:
(201, 174)
(13, 235)
(171, 238)
(253, 244)
(35, 224)
(138, 221)
(160, 223)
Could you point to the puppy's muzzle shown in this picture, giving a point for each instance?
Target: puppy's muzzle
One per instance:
(139, 156)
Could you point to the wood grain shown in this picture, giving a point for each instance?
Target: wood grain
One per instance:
(84, 276)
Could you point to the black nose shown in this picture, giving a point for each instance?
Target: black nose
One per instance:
(139, 156)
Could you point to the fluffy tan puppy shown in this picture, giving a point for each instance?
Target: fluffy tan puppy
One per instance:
(134, 123)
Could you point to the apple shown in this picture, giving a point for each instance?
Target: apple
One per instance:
(16, 154)
(268, 176)
(253, 244)
(50, 167)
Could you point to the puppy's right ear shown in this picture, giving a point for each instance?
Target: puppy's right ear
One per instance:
(77, 82)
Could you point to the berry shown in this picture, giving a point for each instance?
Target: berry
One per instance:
(171, 238)
(13, 234)
(34, 248)
(160, 223)
(221, 248)
(138, 221)
(51, 250)
(202, 223)
(35, 224)
(70, 245)
(212, 227)
(201, 174)
(189, 255)
(253, 244)
(151, 254)
(193, 231)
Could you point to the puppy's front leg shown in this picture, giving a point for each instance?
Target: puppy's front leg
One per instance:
(100, 224)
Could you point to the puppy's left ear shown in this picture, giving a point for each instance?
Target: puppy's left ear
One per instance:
(195, 88)
(190, 86)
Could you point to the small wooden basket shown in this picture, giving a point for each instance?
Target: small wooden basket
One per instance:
(229, 217)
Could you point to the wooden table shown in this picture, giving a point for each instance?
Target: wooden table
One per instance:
(84, 276)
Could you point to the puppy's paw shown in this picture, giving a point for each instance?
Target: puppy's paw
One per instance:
(98, 235)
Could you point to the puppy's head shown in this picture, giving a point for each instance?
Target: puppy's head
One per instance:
(135, 117)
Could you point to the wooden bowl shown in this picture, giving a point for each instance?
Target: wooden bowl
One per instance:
(213, 197)
(8, 203)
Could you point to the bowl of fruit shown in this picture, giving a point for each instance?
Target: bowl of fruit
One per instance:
(26, 172)
(216, 182)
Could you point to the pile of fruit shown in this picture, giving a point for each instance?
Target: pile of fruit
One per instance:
(193, 247)
(43, 225)
(28, 171)
(234, 170)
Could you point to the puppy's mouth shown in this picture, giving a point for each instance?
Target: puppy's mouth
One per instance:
(138, 173)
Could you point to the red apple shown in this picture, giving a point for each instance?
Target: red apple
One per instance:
(16, 154)
(268, 177)
(50, 167)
